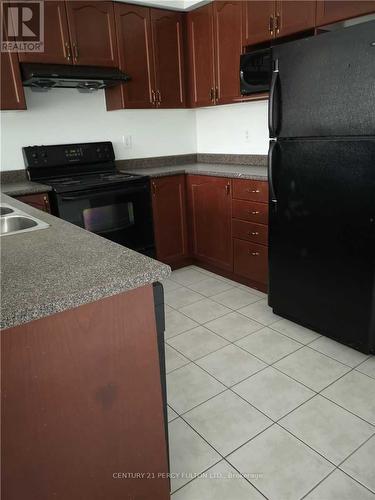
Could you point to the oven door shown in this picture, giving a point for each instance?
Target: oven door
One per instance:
(255, 71)
(121, 214)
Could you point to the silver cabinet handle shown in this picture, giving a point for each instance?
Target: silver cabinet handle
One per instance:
(255, 212)
(254, 254)
(254, 233)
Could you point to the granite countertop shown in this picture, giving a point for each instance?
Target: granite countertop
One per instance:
(15, 183)
(51, 270)
(20, 188)
(214, 169)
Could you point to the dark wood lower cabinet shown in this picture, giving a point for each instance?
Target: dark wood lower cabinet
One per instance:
(250, 260)
(251, 211)
(250, 232)
(169, 210)
(82, 404)
(210, 219)
(39, 200)
(236, 248)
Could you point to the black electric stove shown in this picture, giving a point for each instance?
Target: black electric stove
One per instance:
(79, 182)
(88, 190)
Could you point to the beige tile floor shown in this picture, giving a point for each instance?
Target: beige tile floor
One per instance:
(260, 407)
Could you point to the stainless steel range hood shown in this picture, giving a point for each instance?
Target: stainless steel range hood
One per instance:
(43, 77)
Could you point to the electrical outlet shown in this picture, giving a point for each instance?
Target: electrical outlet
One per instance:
(127, 141)
(247, 136)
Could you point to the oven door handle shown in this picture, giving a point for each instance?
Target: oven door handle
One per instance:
(82, 195)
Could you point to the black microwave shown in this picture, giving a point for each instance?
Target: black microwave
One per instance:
(255, 71)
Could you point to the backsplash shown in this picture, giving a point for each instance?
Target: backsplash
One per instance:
(66, 116)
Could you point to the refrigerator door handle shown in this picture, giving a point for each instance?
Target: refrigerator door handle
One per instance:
(271, 160)
(273, 115)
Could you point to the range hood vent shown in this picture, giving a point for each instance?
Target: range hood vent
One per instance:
(43, 77)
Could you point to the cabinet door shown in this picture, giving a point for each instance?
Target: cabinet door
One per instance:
(40, 201)
(92, 33)
(135, 53)
(210, 213)
(201, 56)
(294, 16)
(57, 48)
(228, 47)
(169, 210)
(168, 57)
(337, 10)
(258, 21)
(251, 261)
(12, 94)
(11, 90)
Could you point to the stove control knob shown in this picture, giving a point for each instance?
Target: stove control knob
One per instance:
(34, 155)
(43, 154)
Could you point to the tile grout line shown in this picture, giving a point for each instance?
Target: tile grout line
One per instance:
(341, 470)
(276, 368)
(274, 422)
(222, 457)
(280, 371)
(230, 342)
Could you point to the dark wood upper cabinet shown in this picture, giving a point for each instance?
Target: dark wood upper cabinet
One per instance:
(169, 211)
(12, 94)
(228, 48)
(92, 33)
(294, 16)
(200, 35)
(258, 21)
(135, 54)
(57, 49)
(151, 52)
(210, 216)
(333, 11)
(264, 20)
(167, 31)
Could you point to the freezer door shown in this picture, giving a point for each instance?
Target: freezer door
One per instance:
(322, 237)
(325, 86)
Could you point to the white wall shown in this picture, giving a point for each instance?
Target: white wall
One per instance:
(233, 129)
(66, 116)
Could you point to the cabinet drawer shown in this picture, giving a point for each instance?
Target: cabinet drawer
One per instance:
(250, 190)
(250, 210)
(251, 261)
(258, 233)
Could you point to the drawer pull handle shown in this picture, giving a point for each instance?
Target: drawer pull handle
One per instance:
(254, 254)
(255, 212)
(253, 233)
(253, 190)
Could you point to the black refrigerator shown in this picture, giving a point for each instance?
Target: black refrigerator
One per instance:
(322, 184)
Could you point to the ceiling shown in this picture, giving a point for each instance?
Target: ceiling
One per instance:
(183, 5)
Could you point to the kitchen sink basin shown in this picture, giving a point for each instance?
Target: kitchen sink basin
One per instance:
(15, 221)
(6, 210)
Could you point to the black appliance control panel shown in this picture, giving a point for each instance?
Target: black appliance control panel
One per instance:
(68, 154)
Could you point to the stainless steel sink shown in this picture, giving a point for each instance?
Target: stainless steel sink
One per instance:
(15, 221)
(5, 210)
